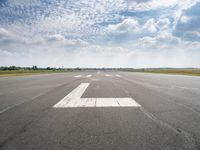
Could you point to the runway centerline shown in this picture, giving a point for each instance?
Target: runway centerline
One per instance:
(78, 76)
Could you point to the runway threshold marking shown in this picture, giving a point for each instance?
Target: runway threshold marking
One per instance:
(78, 76)
(73, 99)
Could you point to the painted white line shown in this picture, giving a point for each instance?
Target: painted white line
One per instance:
(107, 75)
(94, 79)
(88, 76)
(86, 102)
(98, 102)
(127, 102)
(106, 102)
(78, 76)
(117, 75)
(74, 99)
(91, 102)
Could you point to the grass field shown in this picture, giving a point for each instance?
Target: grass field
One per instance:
(27, 72)
(194, 72)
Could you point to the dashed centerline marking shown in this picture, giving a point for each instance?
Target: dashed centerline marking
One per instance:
(74, 99)
(88, 76)
(117, 75)
(78, 76)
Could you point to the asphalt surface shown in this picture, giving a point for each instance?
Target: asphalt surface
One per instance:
(168, 119)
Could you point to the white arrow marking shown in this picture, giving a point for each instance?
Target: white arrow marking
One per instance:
(74, 99)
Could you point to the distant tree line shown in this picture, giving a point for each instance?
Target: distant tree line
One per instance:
(10, 68)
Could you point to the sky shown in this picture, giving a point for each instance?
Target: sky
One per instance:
(100, 33)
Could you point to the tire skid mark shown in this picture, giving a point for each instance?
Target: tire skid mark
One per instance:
(17, 133)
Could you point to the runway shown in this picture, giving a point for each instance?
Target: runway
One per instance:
(100, 110)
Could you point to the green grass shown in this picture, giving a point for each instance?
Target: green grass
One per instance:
(193, 72)
(27, 72)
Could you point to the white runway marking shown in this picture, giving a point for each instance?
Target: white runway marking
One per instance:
(88, 76)
(107, 75)
(127, 102)
(117, 75)
(106, 102)
(78, 76)
(94, 79)
(74, 99)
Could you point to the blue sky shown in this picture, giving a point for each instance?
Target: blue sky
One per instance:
(100, 33)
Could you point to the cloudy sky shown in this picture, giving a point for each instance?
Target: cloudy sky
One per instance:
(100, 33)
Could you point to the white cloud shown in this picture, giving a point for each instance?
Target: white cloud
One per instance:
(14, 42)
(24, 2)
(163, 50)
(184, 19)
(181, 7)
(163, 24)
(4, 34)
(152, 5)
(150, 26)
(127, 25)
(160, 4)
(65, 32)
(103, 56)
(69, 23)
(60, 40)
(7, 37)
(131, 25)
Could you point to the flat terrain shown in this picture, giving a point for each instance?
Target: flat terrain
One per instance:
(193, 72)
(27, 72)
(100, 111)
